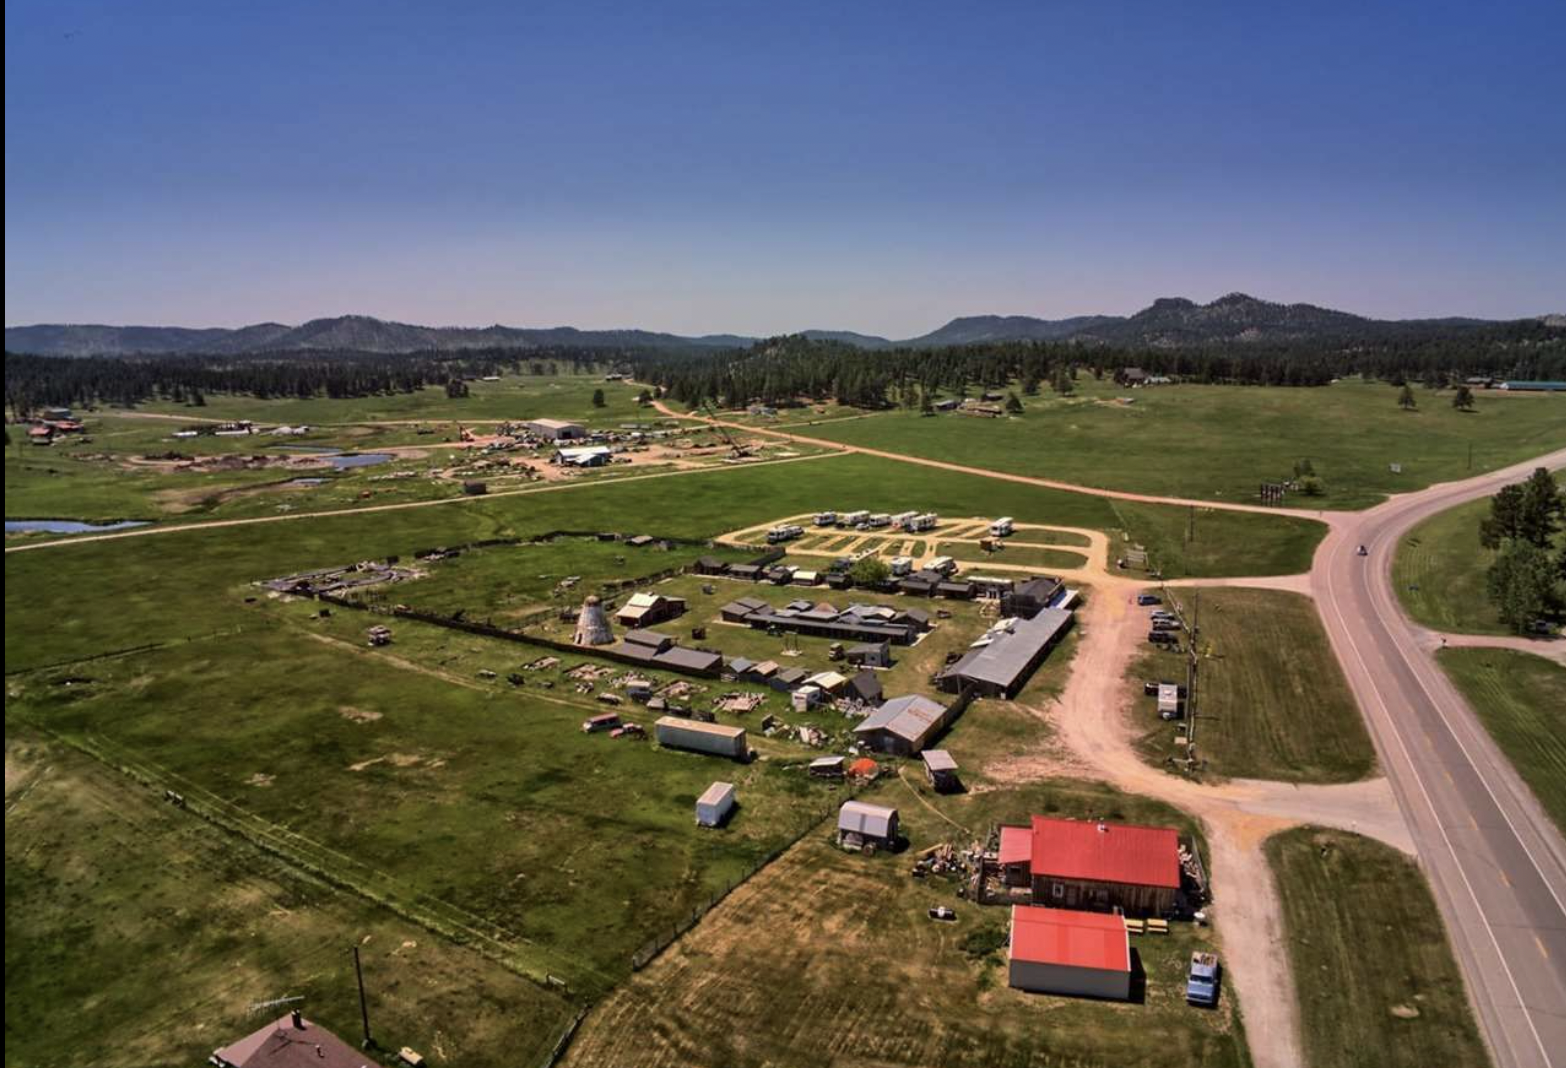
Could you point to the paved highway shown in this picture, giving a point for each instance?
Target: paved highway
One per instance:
(1495, 861)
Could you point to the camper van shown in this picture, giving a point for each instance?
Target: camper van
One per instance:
(1002, 527)
(826, 519)
(901, 565)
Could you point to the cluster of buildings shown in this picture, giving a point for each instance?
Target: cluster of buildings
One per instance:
(51, 423)
(865, 624)
(1082, 879)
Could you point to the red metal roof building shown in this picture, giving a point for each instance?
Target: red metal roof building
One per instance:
(1095, 865)
(1063, 951)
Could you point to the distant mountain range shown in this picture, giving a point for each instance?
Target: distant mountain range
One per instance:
(1167, 322)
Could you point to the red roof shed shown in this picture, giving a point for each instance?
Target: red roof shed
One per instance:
(1067, 937)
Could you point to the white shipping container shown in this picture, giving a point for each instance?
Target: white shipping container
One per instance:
(712, 738)
(714, 806)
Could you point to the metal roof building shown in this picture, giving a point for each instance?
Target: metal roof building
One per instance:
(903, 725)
(1098, 865)
(859, 822)
(555, 429)
(1001, 662)
(1062, 951)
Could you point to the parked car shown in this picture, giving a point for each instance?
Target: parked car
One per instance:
(1145, 599)
(1201, 982)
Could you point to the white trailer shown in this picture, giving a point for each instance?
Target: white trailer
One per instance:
(714, 806)
(712, 738)
(826, 519)
(901, 565)
(853, 519)
(944, 564)
(880, 519)
(1002, 527)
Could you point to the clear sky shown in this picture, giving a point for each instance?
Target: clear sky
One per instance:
(766, 167)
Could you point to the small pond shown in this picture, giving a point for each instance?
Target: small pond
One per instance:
(65, 526)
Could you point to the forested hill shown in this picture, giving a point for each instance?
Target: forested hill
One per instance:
(345, 333)
(1171, 322)
(785, 370)
(781, 370)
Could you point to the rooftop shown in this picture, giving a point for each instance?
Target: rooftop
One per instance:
(1071, 938)
(287, 1043)
(861, 817)
(1106, 852)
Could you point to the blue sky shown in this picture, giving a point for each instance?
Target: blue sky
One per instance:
(760, 168)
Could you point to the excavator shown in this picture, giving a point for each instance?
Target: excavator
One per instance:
(736, 450)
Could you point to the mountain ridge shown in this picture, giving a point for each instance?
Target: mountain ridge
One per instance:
(1166, 322)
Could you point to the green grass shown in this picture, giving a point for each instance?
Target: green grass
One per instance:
(1439, 572)
(164, 587)
(139, 934)
(1374, 972)
(1221, 442)
(483, 809)
(1272, 703)
(1521, 698)
(513, 397)
(829, 958)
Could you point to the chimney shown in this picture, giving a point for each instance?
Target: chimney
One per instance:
(298, 1018)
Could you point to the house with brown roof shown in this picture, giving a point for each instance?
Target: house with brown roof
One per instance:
(291, 1042)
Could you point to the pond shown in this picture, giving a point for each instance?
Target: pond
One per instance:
(344, 460)
(65, 526)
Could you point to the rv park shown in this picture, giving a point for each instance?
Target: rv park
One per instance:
(597, 729)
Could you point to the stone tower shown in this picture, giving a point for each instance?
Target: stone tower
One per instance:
(592, 626)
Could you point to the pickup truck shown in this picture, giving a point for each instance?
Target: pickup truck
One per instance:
(1201, 981)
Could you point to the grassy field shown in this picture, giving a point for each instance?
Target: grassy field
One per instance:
(1439, 572)
(1522, 700)
(138, 934)
(136, 591)
(484, 814)
(1180, 440)
(829, 958)
(1273, 703)
(1376, 979)
(561, 396)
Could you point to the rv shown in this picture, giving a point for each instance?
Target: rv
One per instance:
(879, 520)
(901, 565)
(1002, 527)
(826, 519)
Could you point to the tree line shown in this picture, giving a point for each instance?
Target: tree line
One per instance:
(1527, 580)
(34, 382)
(786, 370)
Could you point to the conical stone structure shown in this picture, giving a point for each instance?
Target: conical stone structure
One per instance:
(592, 626)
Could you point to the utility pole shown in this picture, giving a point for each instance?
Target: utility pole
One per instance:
(364, 1007)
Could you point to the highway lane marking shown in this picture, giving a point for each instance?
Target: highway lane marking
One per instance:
(1544, 950)
(1435, 706)
(1419, 781)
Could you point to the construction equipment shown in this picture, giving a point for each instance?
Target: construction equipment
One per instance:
(736, 450)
